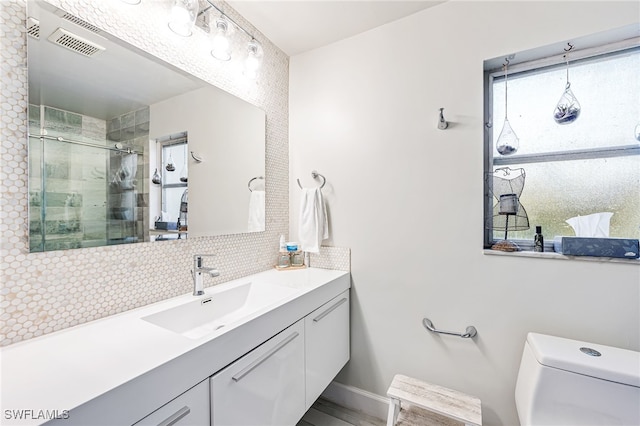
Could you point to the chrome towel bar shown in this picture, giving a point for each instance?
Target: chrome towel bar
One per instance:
(470, 332)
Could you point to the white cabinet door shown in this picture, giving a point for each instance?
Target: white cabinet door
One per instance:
(264, 387)
(190, 408)
(326, 344)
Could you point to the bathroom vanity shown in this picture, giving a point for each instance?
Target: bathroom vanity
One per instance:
(257, 350)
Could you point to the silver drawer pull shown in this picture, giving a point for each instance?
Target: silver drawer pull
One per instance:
(264, 357)
(175, 417)
(331, 309)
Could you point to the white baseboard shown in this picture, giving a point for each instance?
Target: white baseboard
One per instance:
(357, 399)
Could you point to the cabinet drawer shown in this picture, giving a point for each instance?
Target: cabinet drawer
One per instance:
(264, 387)
(190, 408)
(326, 344)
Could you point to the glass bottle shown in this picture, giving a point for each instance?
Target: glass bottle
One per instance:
(284, 260)
(538, 240)
(297, 259)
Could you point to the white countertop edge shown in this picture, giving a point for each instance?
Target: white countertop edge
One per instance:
(72, 367)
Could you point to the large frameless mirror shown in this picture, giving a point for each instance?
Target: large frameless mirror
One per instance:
(126, 148)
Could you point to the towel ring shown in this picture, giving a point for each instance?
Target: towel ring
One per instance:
(315, 175)
(251, 180)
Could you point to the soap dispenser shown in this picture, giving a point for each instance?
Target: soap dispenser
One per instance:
(284, 259)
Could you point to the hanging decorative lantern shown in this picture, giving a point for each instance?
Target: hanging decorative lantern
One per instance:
(508, 142)
(568, 108)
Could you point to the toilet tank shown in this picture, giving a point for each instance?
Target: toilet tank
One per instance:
(567, 382)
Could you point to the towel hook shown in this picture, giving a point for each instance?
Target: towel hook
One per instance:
(196, 157)
(315, 175)
(442, 123)
(251, 180)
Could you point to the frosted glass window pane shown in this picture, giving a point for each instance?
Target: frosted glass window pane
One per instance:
(608, 91)
(556, 191)
(171, 199)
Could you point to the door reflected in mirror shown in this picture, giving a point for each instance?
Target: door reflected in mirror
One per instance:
(95, 127)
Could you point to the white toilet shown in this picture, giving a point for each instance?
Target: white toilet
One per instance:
(567, 382)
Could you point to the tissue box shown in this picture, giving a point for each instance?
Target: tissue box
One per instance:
(166, 226)
(625, 248)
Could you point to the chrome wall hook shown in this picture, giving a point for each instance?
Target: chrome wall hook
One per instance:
(442, 123)
(196, 157)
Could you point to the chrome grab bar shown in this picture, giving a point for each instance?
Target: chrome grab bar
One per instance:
(470, 332)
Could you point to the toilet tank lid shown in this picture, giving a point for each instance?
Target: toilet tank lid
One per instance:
(614, 364)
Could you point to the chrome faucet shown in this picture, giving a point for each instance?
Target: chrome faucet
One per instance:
(198, 271)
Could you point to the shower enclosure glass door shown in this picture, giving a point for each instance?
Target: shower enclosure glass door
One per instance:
(84, 190)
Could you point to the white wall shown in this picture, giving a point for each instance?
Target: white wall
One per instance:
(407, 199)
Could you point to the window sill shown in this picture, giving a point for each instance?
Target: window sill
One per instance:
(554, 255)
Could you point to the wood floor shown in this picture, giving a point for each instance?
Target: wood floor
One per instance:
(326, 413)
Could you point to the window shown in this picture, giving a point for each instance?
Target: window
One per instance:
(588, 166)
(174, 183)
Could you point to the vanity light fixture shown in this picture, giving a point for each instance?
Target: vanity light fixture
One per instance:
(186, 14)
(183, 16)
(220, 47)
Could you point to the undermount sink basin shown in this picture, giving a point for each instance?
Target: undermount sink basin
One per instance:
(215, 310)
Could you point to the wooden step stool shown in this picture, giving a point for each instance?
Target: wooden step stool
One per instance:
(414, 402)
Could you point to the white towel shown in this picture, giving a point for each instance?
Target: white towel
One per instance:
(127, 173)
(256, 211)
(313, 226)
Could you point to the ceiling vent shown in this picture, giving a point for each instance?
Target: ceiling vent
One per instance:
(33, 27)
(74, 42)
(80, 22)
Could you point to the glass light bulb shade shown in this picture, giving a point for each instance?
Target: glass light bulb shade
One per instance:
(220, 47)
(183, 17)
(568, 108)
(637, 132)
(251, 66)
(254, 59)
(254, 47)
(508, 142)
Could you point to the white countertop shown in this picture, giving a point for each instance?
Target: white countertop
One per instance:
(123, 356)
